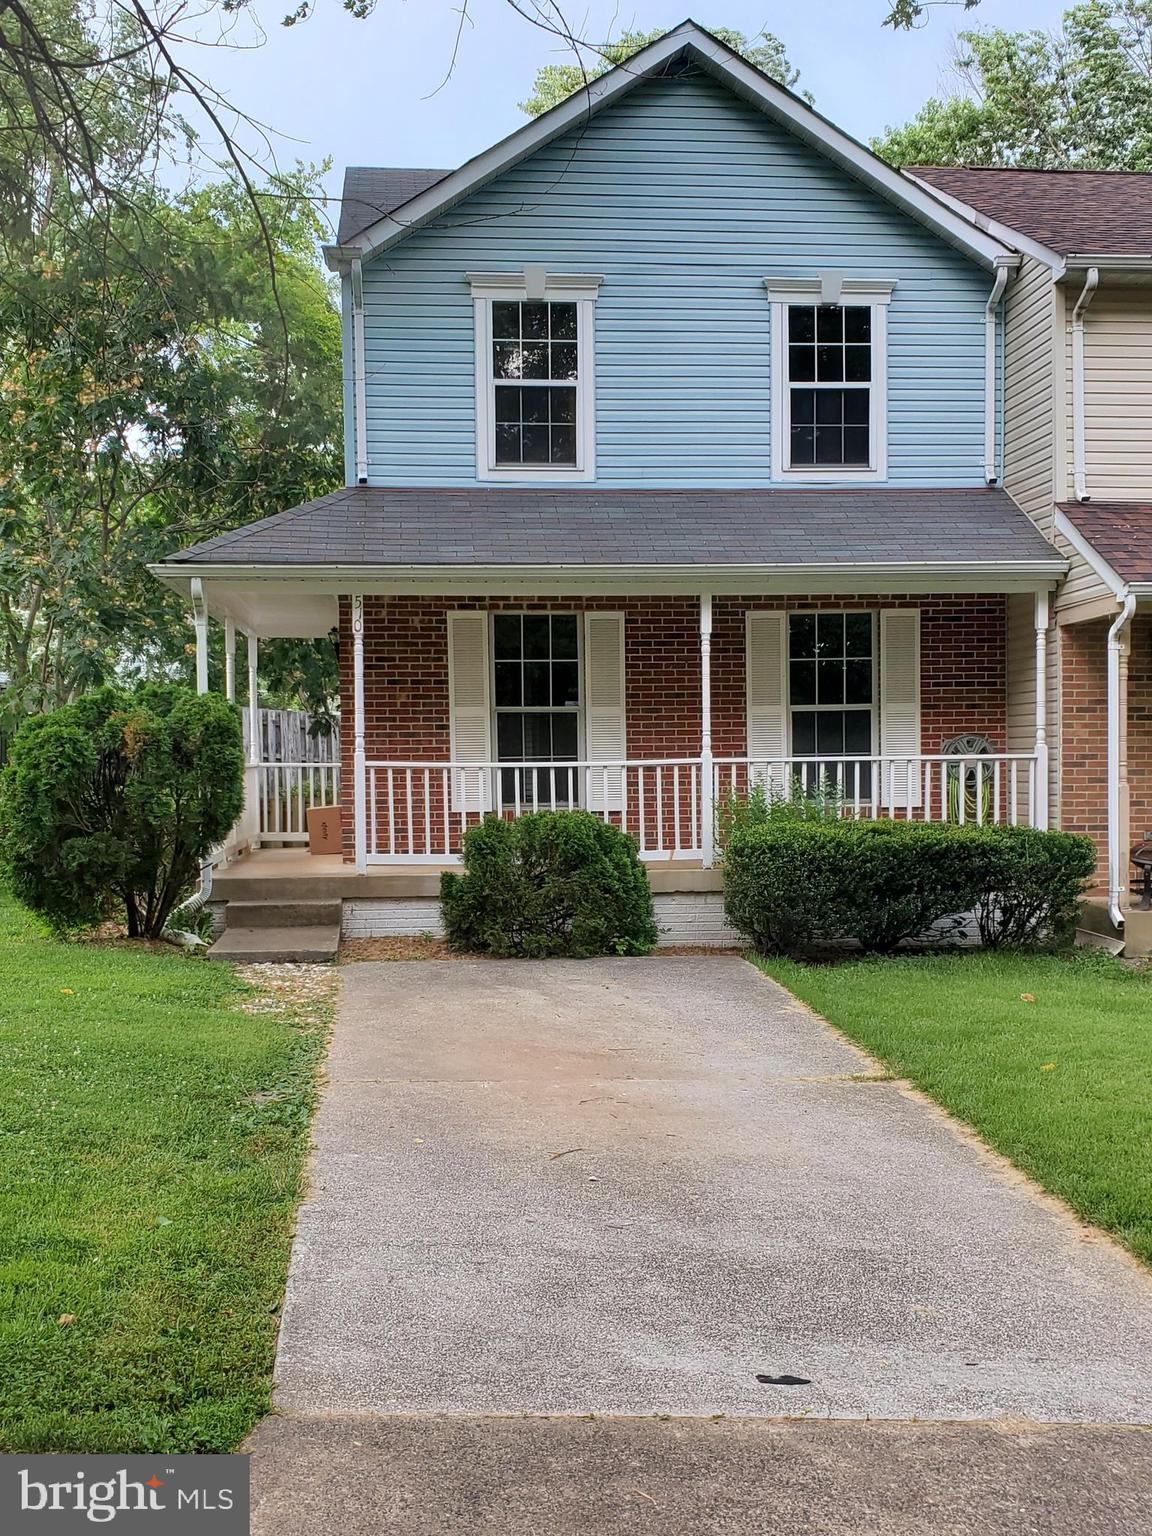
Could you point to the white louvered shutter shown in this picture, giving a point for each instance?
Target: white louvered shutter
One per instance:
(605, 725)
(470, 716)
(900, 705)
(765, 662)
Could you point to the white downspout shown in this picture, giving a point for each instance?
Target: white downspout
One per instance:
(1079, 457)
(360, 405)
(1117, 863)
(991, 372)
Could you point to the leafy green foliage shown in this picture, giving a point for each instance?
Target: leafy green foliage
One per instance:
(550, 883)
(1033, 886)
(792, 885)
(1081, 97)
(761, 806)
(114, 801)
(142, 413)
(554, 83)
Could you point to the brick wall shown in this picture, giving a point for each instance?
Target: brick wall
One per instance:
(963, 678)
(1084, 733)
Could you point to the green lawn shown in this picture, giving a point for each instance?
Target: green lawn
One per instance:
(1049, 1058)
(152, 1134)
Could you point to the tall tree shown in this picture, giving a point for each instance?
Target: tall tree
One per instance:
(1079, 97)
(554, 83)
(148, 403)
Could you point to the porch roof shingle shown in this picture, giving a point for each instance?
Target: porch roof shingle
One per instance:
(371, 191)
(1121, 531)
(499, 526)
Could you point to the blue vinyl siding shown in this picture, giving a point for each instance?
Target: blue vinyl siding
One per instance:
(685, 198)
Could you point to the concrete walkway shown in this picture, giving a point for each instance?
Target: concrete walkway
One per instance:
(637, 1188)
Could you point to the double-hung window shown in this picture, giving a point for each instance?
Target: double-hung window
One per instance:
(829, 364)
(832, 698)
(534, 396)
(536, 688)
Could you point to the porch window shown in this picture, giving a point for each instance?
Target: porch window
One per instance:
(536, 688)
(832, 696)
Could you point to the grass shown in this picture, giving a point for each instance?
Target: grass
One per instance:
(1049, 1058)
(153, 1123)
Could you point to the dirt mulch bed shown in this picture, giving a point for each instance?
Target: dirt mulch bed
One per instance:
(414, 948)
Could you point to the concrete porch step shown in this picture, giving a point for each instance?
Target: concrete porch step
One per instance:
(303, 944)
(294, 912)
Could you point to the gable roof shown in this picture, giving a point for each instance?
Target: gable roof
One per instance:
(687, 41)
(370, 192)
(1073, 213)
(500, 526)
(1121, 531)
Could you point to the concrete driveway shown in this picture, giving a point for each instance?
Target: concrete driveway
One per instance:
(639, 1187)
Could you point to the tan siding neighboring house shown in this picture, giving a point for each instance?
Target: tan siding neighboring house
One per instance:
(1117, 394)
(1030, 322)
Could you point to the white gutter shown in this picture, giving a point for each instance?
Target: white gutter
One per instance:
(1079, 469)
(360, 405)
(990, 371)
(1117, 864)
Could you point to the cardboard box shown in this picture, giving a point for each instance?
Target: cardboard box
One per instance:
(325, 829)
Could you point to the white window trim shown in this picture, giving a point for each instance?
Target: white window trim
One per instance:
(556, 288)
(813, 290)
(873, 708)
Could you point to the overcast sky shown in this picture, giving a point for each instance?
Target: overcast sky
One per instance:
(365, 92)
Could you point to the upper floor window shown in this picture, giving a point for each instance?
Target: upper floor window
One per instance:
(534, 398)
(829, 366)
(535, 378)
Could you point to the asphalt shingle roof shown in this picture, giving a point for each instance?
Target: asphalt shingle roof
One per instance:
(364, 525)
(1120, 530)
(1071, 212)
(372, 191)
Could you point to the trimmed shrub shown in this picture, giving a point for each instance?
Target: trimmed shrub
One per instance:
(1034, 886)
(550, 883)
(792, 886)
(110, 804)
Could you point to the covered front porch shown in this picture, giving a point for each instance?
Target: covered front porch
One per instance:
(659, 711)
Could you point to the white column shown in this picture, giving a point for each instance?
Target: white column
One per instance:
(200, 620)
(359, 760)
(253, 699)
(1040, 805)
(230, 660)
(707, 773)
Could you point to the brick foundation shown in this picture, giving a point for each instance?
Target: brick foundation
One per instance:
(963, 670)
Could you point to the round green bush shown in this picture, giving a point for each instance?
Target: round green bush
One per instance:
(109, 805)
(550, 883)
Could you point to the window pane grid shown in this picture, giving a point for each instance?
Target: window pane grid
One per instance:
(830, 356)
(831, 692)
(535, 370)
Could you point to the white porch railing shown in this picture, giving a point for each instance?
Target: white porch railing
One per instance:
(287, 791)
(418, 812)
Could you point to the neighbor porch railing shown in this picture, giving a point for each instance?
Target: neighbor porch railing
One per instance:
(418, 812)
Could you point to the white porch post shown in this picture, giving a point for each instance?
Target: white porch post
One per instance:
(707, 774)
(253, 699)
(230, 660)
(359, 761)
(200, 620)
(1040, 790)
